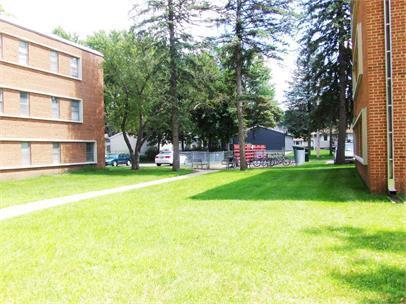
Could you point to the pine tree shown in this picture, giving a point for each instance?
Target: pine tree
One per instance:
(328, 39)
(166, 20)
(252, 27)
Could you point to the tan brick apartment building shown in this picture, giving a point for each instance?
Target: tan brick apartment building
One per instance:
(51, 103)
(379, 46)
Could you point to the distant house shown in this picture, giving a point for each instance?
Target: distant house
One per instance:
(324, 138)
(116, 144)
(274, 139)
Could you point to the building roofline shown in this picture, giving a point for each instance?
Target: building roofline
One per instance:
(51, 36)
(272, 129)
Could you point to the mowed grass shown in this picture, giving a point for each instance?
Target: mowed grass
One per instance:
(79, 181)
(285, 235)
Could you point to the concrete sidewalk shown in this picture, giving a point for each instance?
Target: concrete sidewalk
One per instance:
(14, 211)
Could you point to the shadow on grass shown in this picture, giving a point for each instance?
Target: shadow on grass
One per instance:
(384, 283)
(358, 238)
(312, 182)
(126, 171)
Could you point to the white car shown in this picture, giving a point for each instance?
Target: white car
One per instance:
(166, 158)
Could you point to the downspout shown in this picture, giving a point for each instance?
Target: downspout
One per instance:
(389, 96)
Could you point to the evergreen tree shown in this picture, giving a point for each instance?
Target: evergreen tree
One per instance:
(327, 37)
(252, 27)
(166, 20)
(301, 102)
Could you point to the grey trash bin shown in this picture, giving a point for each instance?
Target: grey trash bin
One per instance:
(300, 154)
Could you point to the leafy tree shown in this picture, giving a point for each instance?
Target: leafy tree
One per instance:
(328, 40)
(166, 20)
(252, 27)
(133, 88)
(213, 118)
(59, 31)
(261, 106)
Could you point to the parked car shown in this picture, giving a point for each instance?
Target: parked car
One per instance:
(117, 159)
(166, 158)
(349, 152)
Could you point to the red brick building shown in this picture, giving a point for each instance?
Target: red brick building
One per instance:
(379, 46)
(51, 103)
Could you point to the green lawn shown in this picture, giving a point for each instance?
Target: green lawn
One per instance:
(285, 235)
(80, 181)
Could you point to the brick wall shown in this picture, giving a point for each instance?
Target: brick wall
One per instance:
(372, 93)
(399, 87)
(41, 84)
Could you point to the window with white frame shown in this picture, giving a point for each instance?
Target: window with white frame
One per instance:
(358, 67)
(361, 137)
(55, 108)
(1, 46)
(74, 67)
(75, 110)
(54, 58)
(1, 102)
(90, 152)
(24, 104)
(25, 154)
(56, 153)
(23, 53)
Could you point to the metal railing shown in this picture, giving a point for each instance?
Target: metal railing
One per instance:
(218, 160)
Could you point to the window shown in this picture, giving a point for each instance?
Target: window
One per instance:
(55, 107)
(23, 53)
(1, 46)
(358, 69)
(54, 61)
(1, 102)
(74, 67)
(75, 110)
(361, 137)
(24, 104)
(90, 152)
(56, 153)
(25, 154)
(325, 137)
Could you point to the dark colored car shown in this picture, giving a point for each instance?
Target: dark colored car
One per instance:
(118, 159)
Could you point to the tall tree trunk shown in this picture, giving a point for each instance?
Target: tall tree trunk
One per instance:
(135, 160)
(331, 140)
(127, 141)
(309, 143)
(342, 123)
(173, 86)
(159, 140)
(239, 101)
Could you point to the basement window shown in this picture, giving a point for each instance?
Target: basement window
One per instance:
(90, 152)
(25, 154)
(361, 137)
(56, 153)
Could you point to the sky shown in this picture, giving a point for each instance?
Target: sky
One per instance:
(87, 16)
